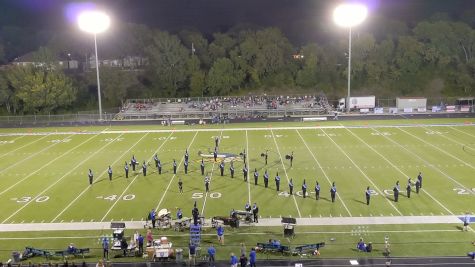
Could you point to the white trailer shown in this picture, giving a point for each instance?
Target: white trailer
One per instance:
(358, 102)
(411, 102)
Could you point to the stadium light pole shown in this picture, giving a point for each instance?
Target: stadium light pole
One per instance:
(95, 22)
(349, 16)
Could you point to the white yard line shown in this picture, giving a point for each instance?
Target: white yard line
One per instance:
(285, 171)
(426, 162)
(441, 150)
(245, 129)
(57, 181)
(458, 130)
(130, 184)
(362, 172)
(32, 155)
(399, 170)
(248, 168)
(173, 177)
(211, 176)
(100, 175)
(46, 165)
(324, 173)
(21, 136)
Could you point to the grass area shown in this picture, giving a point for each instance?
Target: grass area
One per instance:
(405, 240)
(43, 178)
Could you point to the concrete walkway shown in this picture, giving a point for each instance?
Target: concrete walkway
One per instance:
(262, 223)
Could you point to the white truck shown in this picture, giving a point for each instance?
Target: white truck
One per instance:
(358, 102)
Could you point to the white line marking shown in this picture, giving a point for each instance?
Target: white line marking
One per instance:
(127, 188)
(364, 174)
(285, 171)
(46, 165)
(427, 163)
(173, 177)
(98, 179)
(244, 129)
(57, 181)
(32, 155)
(458, 130)
(248, 168)
(324, 173)
(399, 170)
(211, 175)
(443, 151)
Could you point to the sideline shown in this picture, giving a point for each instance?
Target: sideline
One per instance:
(263, 222)
(249, 129)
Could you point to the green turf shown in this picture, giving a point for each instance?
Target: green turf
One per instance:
(44, 177)
(405, 240)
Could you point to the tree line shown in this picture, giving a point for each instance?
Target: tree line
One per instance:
(434, 57)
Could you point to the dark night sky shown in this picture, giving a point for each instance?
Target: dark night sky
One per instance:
(299, 19)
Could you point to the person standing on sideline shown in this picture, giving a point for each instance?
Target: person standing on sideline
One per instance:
(221, 168)
(216, 141)
(231, 169)
(192, 254)
(466, 221)
(220, 234)
(317, 191)
(126, 169)
(255, 213)
(243, 259)
(396, 192)
(105, 247)
(174, 166)
(419, 178)
(152, 216)
(144, 168)
(266, 155)
(90, 175)
(202, 166)
(291, 186)
(291, 159)
(140, 242)
(185, 164)
(256, 176)
(244, 172)
(234, 260)
(277, 181)
(109, 171)
(333, 192)
(215, 154)
(252, 258)
(179, 214)
(180, 185)
(187, 156)
(207, 183)
(368, 195)
(304, 189)
(211, 254)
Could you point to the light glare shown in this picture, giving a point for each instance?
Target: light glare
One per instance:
(93, 21)
(349, 15)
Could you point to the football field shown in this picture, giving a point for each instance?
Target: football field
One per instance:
(43, 174)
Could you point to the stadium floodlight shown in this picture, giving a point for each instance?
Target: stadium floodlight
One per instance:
(349, 16)
(95, 22)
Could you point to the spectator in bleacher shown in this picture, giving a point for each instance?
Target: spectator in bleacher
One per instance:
(149, 238)
(192, 254)
(124, 246)
(140, 243)
(233, 260)
(243, 260)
